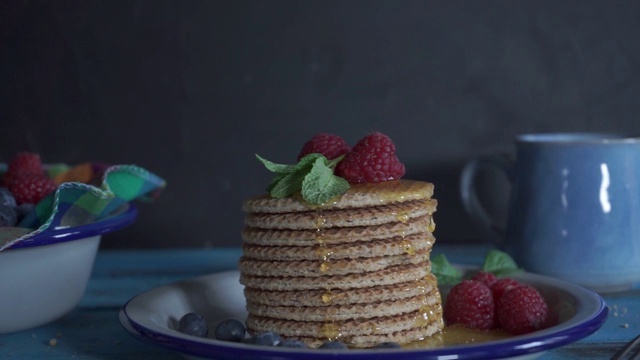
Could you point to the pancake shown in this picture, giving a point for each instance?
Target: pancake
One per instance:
(365, 249)
(355, 269)
(332, 297)
(310, 268)
(388, 276)
(358, 196)
(420, 324)
(342, 312)
(337, 235)
(315, 220)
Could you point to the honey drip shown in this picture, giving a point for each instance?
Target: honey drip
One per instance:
(330, 331)
(403, 217)
(407, 246)
(327, 297)
(320, 238)
(324, 267)
(431, 227)
(321, 220)
(427, 313)
(430, 281)
(374, 328)
(423, 286)
(323, 253)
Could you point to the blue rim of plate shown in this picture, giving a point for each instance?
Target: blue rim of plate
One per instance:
(539, 341)
(123, 217)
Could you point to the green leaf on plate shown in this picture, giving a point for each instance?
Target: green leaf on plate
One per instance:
(500, 263)
(446, 273)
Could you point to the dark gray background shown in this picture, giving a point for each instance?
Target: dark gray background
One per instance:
(191, 90)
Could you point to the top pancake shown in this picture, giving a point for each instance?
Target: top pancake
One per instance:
(358, 196)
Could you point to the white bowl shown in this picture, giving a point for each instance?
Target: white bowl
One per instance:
(45, 277)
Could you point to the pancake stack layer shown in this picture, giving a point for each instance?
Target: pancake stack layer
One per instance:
(354, 270)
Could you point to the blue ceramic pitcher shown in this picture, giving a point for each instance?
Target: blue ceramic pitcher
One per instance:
(574, 208)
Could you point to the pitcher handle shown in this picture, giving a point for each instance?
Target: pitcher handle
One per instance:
(472, 204)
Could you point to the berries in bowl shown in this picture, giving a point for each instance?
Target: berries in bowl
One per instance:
(51, 226)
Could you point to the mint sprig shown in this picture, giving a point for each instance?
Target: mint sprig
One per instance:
(500, 263)
(312, 176)
(446, 273)
(497, 262)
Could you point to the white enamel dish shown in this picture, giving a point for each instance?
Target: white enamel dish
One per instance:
(153, 316)
(45, 277)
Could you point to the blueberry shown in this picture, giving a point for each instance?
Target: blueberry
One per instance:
(230, 330)
(193, 324)
(388, 345)
(333, 345)
(6, 198)
(267, 339)
(8, 216)
(292, 344)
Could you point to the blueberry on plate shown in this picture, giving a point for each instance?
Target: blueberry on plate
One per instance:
(193, 324)
(6, 198)
(388, 345)
(333, 345)
(292, 344)
(8, 216)
(266, 339)
(230, 330)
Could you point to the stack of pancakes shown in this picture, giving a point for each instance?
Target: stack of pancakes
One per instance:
(354, 270)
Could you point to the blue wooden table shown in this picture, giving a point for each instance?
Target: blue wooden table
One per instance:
(92, 331)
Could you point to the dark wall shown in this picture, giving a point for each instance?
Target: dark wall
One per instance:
(192, 89)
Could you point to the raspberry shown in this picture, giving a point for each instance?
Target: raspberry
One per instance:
(470, 304)
(31, 188)
(329, 145)
(24, 162)
(373, 159)
(485, 277)
(522, 310)
(501, 286)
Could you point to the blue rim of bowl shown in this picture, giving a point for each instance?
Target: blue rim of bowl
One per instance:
(109, 224)
(507, 348)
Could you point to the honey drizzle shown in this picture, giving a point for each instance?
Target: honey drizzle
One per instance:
(408, 248)
(428, 312)
(323, 253)
(408, 190)
(327, 297)
(330, 331)
(431, 227)
(403, 216)
(374, 328)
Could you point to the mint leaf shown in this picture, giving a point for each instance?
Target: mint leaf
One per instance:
(320, 184)
(312, 176)
(446, 273)
(288, 185)
(500, 263)
(333, 163)
(276, 179)
(308, 161)
(276, 168)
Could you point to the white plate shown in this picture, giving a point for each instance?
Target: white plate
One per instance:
(153, 316)
(45, 276)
